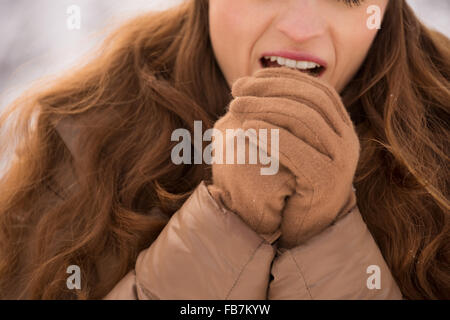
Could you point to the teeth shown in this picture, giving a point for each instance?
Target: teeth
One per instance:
(302, 65)
(291, 63)
(281, 61)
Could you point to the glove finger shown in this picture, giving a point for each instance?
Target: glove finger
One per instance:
(305, 215)
(299, 119)
(302, 159)
(299, 87)
(326, 88)
(258, 199)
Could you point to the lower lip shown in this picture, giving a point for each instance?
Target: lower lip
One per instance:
(318, 75)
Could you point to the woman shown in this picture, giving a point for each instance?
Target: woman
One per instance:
(94, 185)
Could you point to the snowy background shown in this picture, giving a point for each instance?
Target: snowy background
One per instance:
(35, 40)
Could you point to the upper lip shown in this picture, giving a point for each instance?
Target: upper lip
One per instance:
(298, 56)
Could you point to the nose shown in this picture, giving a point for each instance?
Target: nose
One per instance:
(301, 20)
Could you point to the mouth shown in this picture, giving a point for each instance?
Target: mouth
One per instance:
(309, 67)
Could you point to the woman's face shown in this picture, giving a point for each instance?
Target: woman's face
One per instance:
(298, 33)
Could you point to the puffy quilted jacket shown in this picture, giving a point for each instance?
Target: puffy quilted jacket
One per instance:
(207, 252)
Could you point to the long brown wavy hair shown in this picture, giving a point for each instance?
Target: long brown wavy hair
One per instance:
(158, 73)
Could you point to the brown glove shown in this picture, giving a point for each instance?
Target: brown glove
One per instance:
(318, 154)
(258, 199)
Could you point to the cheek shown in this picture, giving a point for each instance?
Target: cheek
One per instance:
(353, 40)
(223, 26)
(351, 53)
(231, 34)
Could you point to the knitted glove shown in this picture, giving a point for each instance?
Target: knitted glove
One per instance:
(318, 154)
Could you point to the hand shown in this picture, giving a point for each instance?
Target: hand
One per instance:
(258, 199)
(318, 150)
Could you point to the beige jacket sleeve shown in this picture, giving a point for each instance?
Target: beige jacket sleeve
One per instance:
(204, 252)
(342, 262)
